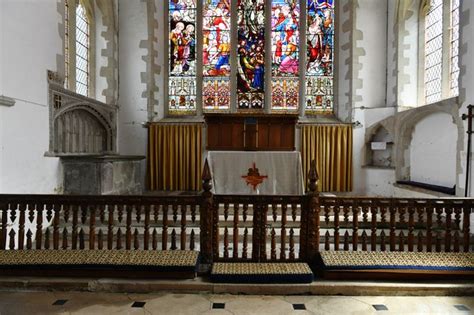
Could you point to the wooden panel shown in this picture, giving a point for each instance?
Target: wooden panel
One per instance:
(251, 132)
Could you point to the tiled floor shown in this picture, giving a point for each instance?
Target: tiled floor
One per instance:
(171, 304)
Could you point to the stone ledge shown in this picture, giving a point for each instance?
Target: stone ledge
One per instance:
(202, 285)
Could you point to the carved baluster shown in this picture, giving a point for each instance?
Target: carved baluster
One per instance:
(226, 211)
(175, 212)
(294, 208)
(365, 222)
(273, 245)
(456, 241)
(136, 241)
(274, 212)
(128, 231)
(120, 213)
(327, 236)
(75, 218)
(411, 227)
(226, 243)
(429, 233)
(439, 215)
(154, 239)
(39, 225)
(31, 212)
(382, 241)
(21, 226)
(81, 239)
(173, 239)
(364, 240)
(100, 239)
(401, 242)
(420, 241)
(146, 232)
(447, 240)
(110, 226)
(283, 232)
(12, 238)
(392, 228)
(119, 238)
(56, 219)
(355, 227)
(91, 226)
(192, 240)
(245, 244)
(138, 213)
(263, 235)
(64, 243)
(183, 227)
(46, 238)
(466, 227)
(373, 228)
(292, 244)
(66, 213)
(193, 213)
(438, 241)
(164, 236)
(29, 243)
(346, 240)
(156, 212)
(102, 213)
(244, 211)
(336, 228)
(49, 212)
(235, 248)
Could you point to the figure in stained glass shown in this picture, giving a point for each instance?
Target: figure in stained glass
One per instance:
(182, 42)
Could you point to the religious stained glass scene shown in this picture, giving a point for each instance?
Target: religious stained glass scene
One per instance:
(320, 51)
(216, 54)
(285, 54)
(251, 54)
(182, 56)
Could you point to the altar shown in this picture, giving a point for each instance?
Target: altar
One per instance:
(260, 173)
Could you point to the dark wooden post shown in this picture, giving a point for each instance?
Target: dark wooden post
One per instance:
(206, 215)
(310, 218)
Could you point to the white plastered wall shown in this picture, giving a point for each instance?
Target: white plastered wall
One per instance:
(29, 47)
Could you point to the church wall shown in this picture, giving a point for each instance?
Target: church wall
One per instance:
(433, 151)
(31, 44)
(133, 31)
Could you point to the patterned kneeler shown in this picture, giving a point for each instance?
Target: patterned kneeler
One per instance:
(261, 273)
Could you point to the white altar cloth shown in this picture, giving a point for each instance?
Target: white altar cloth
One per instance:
(283, 171)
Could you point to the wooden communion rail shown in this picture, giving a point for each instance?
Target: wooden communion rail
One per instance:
(236, 227)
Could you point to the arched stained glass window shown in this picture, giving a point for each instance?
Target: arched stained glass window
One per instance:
(244, 56)
(82, 51)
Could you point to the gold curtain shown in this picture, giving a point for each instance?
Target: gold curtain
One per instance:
(174, 156)
(331, 147)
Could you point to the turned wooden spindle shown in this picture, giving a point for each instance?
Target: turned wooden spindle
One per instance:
(3, 234)
(273, 245)
(411, 227)
(92, 213)
(245, 209)
(146, 232)
(327, 236)
(82, 244)
(245, 244)
(292, 244)
(164, 231)
(364, 241)
(401, 242)
(138, 213)
(128, 229)
(75, 220)
(136, 240)
(336, 228)
(56, 218)
(12, 235)
(193, 213)
(392, 228)
(175, 212)
(183, 227)
(156, 213)
(235, 246)
(382, 241)
(46, 238)
(64, 239)
(39, 224)
(429, 229)
(373, 228)
(154, 239)
(110, 226)
(447, 238)
(192, 240)
(100, 240)
(420, 241)
(226, 211)
(355, 227)
(466, 227)
(29, 242)
(274, 212)
(21, 227)
(226, 242)
(283, 232)
(173, 239)
(119, 238)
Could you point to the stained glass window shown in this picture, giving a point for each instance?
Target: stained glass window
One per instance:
(285, 54)
(320, 53)
(251, 54)
(454, 62)
(82, 51)
(182, 56)
(216, 50)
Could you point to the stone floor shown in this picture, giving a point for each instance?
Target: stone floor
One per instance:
(171, 304)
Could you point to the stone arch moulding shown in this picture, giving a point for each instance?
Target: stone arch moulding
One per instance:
(405, 123)
(79, 125)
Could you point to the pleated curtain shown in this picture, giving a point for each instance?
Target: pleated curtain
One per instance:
(174, 157)
(331, 147)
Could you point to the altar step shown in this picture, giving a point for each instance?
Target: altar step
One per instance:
(251, 272)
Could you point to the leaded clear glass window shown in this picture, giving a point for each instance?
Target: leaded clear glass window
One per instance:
(82, 51)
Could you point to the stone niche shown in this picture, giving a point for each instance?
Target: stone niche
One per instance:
(379, 148)
(102, 175)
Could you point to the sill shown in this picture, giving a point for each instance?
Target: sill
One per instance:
(379, 167)
(428, 188)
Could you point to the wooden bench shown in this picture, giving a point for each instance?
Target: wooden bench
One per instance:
(367, 265)
(177, 264)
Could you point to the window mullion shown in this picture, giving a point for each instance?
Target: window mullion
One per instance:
(302, 61)
(199, 65)
(233, 56)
